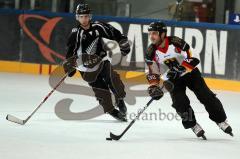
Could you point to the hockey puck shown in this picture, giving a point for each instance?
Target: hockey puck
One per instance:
(109, 139)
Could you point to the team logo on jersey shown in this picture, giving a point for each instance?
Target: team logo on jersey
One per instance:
(92, 49)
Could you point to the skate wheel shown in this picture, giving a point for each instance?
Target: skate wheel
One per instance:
(110, 139)
(204, 137)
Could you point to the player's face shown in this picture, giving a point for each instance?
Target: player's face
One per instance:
(84, 19)
(154, 37)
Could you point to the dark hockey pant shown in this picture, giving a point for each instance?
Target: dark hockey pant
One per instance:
(181, 102)
(107, 81)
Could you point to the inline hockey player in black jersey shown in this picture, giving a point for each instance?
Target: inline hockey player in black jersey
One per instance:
(86, 53)
(174, 53)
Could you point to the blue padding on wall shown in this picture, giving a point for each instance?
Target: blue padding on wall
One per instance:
(127, 20)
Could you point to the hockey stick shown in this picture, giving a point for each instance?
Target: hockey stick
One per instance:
(117, 137)
(22, 122)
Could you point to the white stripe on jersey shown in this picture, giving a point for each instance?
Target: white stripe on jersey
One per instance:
(102, 28)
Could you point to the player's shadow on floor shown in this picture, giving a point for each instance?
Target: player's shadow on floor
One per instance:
(218, 140)
(101, 121)
(180, 140)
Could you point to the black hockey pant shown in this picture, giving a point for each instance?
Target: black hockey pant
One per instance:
(181, 103)
(107, 80)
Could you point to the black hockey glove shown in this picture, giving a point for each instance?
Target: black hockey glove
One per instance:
(175, 69)
(174, 65)
(124, 47)
(69, 66)
(155, 92)
(173, 74)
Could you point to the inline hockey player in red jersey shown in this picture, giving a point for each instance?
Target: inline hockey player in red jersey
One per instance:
(174, 53)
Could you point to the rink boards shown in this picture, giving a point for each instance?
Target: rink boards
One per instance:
(34, 42)
(130, 76)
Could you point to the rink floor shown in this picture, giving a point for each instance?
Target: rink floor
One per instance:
(46, 136)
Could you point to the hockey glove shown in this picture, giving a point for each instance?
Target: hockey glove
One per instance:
(69, 66)
(124, 47)
(155, 92)
(173, 74)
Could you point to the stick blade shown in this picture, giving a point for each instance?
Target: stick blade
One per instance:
(114, 137)
(15, 119)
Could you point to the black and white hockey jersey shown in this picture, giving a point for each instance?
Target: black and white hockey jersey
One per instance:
(90, 42)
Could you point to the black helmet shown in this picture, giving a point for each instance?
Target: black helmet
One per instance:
(83, 8)
(158, 26)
